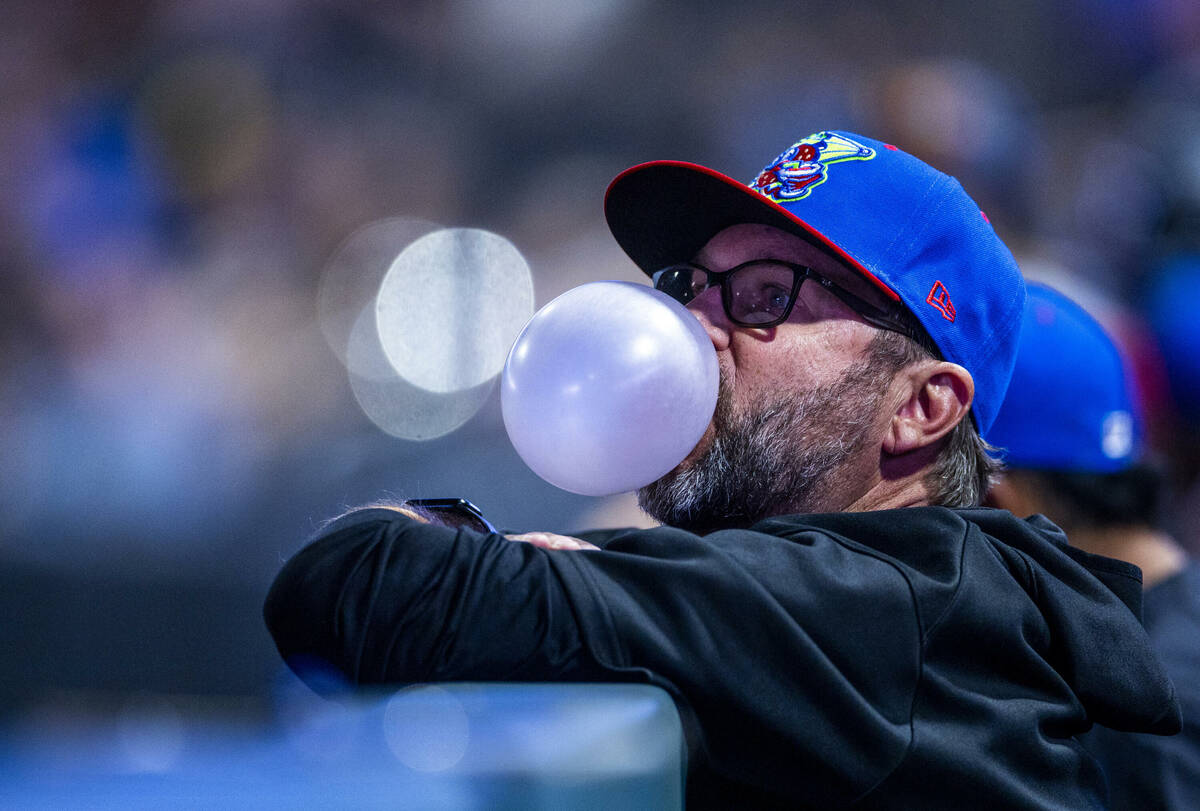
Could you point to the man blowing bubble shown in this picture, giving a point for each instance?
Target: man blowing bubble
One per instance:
(837, 619)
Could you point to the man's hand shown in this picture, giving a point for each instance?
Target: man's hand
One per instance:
(548, 540)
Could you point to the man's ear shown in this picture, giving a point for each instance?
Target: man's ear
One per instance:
(934, 397)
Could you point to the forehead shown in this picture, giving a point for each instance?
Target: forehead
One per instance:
(748, 241)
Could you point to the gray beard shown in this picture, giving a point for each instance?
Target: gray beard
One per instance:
(782, 458)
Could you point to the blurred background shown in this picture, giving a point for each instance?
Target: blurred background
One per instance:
(201, 199)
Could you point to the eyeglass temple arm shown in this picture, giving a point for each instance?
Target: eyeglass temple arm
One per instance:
(893, 320)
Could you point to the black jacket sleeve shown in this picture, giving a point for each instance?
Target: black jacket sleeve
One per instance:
(787, 657)
(385, 599)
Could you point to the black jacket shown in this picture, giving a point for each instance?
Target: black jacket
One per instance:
(1147, 771)
(914, 658)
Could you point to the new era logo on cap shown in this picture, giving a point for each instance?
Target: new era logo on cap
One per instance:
(939, 297)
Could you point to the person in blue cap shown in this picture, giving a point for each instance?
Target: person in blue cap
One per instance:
(839, 622)
(1071, 436)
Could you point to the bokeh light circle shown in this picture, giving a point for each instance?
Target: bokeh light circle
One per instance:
(451, 306)
(426, 728)
(351, 279)
(396, 406)
(150, 734)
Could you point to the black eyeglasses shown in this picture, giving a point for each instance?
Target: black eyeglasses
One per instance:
(762, 292)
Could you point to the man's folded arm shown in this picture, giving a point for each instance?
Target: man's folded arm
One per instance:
(383, 598)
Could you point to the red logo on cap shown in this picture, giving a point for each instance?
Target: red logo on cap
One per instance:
(939, 297)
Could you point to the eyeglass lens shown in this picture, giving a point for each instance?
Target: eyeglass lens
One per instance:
(760, 292)
(756, 293)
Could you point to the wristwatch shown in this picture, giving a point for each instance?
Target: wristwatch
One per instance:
(451, 512)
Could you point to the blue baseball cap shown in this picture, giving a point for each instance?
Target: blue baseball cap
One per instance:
(1070, 405)
(907, 227)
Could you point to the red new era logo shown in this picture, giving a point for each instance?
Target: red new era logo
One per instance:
(939, 297)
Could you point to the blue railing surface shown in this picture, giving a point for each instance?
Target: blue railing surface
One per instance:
(437, 746)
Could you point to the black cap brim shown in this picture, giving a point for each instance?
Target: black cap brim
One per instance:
(664, 212)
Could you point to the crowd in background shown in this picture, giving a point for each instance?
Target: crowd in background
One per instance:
(177, 177)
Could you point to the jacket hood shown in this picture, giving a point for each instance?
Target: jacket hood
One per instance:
(1091, 605)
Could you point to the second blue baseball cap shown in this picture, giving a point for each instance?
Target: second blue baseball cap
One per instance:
(907, 227)
(1070, 406)
(1170, 309)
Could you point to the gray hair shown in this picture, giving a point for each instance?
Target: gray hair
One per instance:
(965, 467)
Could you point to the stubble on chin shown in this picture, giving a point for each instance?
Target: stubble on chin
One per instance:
(778, 458)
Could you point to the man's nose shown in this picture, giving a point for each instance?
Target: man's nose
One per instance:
(707, 307)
